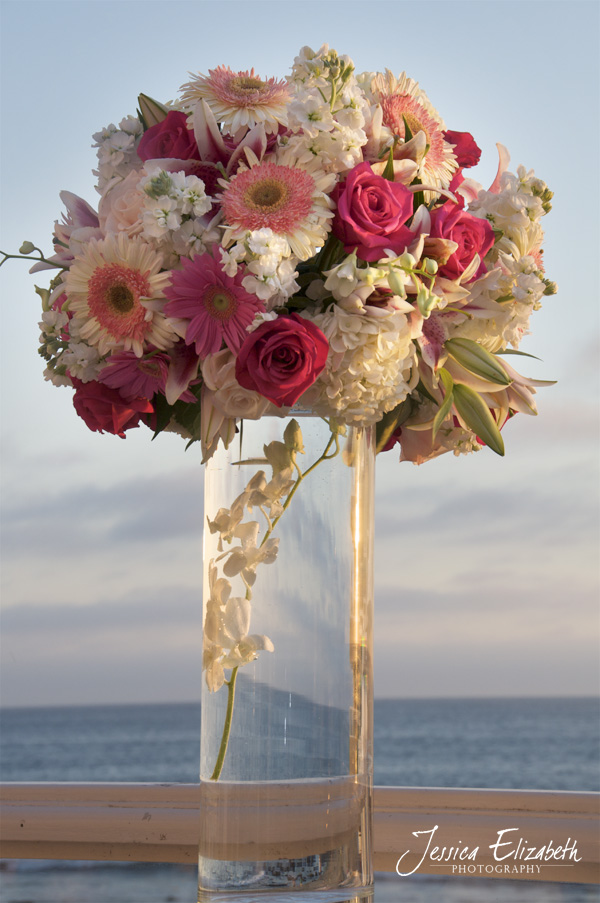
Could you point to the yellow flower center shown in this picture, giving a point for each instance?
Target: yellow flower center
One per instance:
(120, 298)
(245, 84)
(268, 195)
(415, 125)
(220, 301)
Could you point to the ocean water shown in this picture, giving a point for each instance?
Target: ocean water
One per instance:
(537, 744)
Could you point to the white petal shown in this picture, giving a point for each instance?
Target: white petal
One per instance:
(237, 618)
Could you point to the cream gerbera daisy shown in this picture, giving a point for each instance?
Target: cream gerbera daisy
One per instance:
(277, 195)
(239, 100)
(115, 293)
(405, 104)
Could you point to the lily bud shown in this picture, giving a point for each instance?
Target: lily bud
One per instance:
(27, 247)
(152, 111)
(426, 301)
(396, 283)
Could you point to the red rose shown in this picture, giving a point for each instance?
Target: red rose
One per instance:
(472, 235)
(103, 409)
(466, 151)
(371, 212)
(169, 138)
(282, 358)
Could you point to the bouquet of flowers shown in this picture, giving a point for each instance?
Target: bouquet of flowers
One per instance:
(311, 241)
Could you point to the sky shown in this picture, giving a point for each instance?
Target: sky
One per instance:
(486, 569)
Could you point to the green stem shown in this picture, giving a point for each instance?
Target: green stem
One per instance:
(227, 726)
(40, 259)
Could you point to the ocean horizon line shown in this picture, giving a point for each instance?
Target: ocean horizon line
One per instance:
(378, 699)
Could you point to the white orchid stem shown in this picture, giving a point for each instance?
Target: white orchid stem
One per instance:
(334, 438)
(227, 726)
(301, 476)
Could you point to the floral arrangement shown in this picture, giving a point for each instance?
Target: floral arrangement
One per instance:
(312, 241)
(262, 244)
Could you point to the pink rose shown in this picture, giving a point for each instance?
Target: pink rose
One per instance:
(282, 358)
(169, 138)
(104, 410)
(121, 209)
(472, 235)
(371, 212)
(466, 151)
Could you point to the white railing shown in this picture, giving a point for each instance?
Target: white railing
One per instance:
(159, 823)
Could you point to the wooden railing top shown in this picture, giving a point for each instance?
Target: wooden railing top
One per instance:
(559, 831)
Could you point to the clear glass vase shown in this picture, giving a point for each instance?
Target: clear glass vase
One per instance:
(286, 735)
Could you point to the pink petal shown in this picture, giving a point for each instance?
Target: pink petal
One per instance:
(183, 369)
(81, 212)
(504, 160)
(208, 137)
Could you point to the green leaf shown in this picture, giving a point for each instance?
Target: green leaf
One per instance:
(388, 172)
(520, 353)
(446, 405)
(424, 391)
(390, 422)
(304, 279)
(163, 411)
(407, 132)
(474, 411)
(478, 360)
(44, 294)
(190, 420)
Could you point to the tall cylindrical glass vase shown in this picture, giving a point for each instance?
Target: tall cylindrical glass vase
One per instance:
(286, 735)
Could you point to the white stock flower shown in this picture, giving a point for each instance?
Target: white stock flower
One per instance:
(53, 321)
(117, 154)
(310, 113)
(160, 216)
(273, 284)
(82, 361)
(268, 246)
(193, 238)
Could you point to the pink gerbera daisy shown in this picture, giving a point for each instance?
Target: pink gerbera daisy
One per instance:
(114, 292)
(143, 377)
(401, 110)
(134, 376)
(209, 307)
(239, 100)
(288, 200)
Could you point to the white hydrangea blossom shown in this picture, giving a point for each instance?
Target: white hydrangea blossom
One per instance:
(370, 368)
(117, 155)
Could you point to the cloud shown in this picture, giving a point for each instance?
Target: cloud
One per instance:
(137, 647)
(88, 516)
(169, 605)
